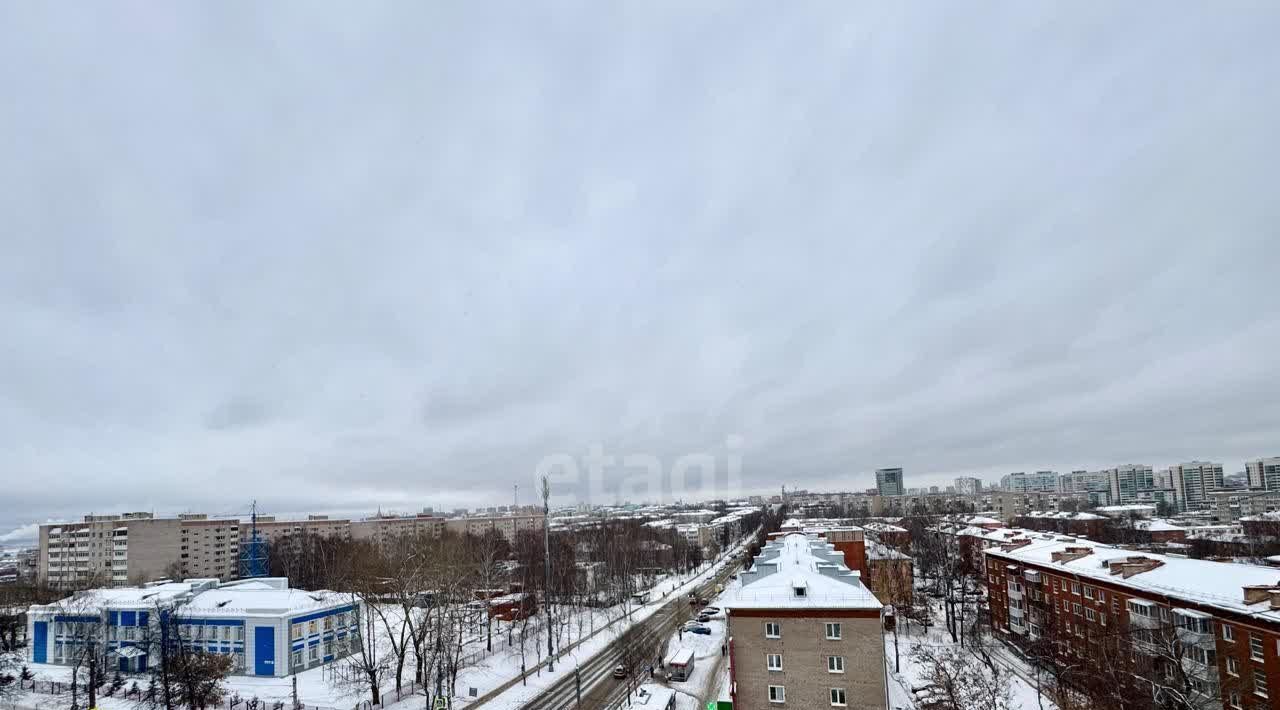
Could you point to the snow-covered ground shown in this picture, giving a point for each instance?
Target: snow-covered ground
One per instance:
(496, 674)
(588, 632)
(912, 675)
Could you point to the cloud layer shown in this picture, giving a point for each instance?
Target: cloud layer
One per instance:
(396, 255)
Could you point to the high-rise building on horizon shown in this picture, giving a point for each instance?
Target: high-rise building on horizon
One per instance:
(1038, 482)
(1263, 474)
(968, 485)
(1128, 482)
(889, 482)
(1193, 482)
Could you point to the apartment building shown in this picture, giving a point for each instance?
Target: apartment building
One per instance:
(209, 548)
(1129, 482)
(272, 531)
(804, 631)
(263, 626)
(509, 526)
(1040, 482)
(108, 550)
(1263, 474)
(967, 485)
(1208, 628)
(1193, 482)
(384, 529)
(889, 482)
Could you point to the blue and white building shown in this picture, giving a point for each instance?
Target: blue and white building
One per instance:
(267, 628)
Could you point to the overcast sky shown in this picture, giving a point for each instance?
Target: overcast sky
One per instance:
(396, 254)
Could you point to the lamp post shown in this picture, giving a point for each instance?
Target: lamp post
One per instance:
(546, 567)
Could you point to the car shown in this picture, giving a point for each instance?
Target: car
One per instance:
(703, 618)
(699, 629)
(619, 672)
(711, 610)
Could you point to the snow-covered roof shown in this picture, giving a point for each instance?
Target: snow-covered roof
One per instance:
(651, 695)
(206, 598)
(1212, 584)
(1156, 525)
(883, 527)
(797, 561)
(1269, 516)
(254, 598)
(1062, 515)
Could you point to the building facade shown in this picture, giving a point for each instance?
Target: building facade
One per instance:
(967, 485)
(1263, 474)
(108, 550)
(1129, 482)
(1210, 630)
(266, 628)
(889, 482)
(509, 526)
(1193, 482)
(803, 631)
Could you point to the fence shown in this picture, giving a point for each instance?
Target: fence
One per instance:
(141, 694)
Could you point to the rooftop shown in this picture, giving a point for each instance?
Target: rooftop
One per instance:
(1212, 584)
(798, 571)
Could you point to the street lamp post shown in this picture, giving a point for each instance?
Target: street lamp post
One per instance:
(546, 567)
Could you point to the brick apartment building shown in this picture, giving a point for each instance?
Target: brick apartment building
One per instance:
(804, 632)
(1211, 629)
(1088, 525)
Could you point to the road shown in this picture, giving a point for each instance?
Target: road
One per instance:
(643, 643)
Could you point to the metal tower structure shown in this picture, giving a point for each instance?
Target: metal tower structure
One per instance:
(253, 551)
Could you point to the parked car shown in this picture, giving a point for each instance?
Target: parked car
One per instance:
(699, 629)
(703, 618)
(619, 672)
(713, 610)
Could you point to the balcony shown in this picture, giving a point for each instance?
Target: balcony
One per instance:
(1032, 576)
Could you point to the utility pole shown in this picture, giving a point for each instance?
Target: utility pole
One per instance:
(546, 567)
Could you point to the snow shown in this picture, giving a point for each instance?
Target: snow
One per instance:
(815, 567)
(912, 675)
(1217, 584)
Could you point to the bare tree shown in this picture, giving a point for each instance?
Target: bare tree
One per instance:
(958, 681)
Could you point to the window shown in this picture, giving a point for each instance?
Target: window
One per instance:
(1090, 614)
(1075, 609)
(772, 630)
(1102, 596)
(239, 630)
(837, 697)
(835, 664)
(773, 662)
(1102, 619)
(328, 648)
(1075, 588)
(1255, 647)
(833, 631)
(1066, 605)
(313, 653)
(1228, 633)
(297, 657)
(1233, 667)
(800, 591)
(311, 627)
(1088, 592)
(777, 694)
(1233, 700)
(1259, 682)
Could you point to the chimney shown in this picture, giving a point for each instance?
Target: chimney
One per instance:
(1275, 598)
(1071, 553)
(1255, 593)
(1129, 566)
(1010, 546)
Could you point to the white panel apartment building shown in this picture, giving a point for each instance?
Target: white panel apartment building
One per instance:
(1193, 482)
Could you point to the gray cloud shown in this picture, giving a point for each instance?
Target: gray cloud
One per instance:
(396, 255)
